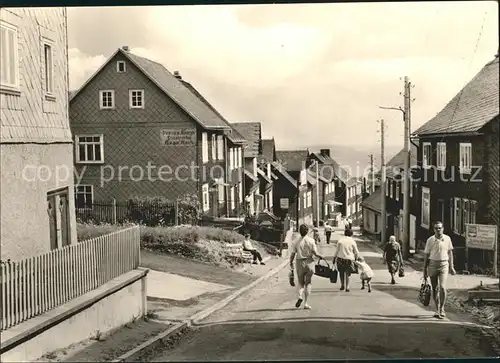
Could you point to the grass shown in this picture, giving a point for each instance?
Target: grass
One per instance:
(204, 244)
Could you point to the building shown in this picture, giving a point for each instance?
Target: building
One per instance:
(394, 192)
(347, 189)
(232, 204)
(458, 154)
(35, 145)
(372, 213)
(294, 162)
(257, 198)
(140, 132)
(285, 193)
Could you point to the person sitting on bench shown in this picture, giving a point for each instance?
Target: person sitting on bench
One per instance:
(248, 247)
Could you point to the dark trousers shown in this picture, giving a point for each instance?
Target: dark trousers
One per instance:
(256, 255)
(328, 236)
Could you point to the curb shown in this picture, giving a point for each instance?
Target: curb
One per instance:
(156, 341)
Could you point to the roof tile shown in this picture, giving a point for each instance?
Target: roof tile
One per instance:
(251, 131)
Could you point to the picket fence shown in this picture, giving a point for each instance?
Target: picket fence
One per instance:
(38, 284)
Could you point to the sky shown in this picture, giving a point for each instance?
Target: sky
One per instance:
(312, 74)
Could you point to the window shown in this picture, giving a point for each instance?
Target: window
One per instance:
(214, 147)
(220, 147)
(465, 157)
(391, 189)
(84, 196)
(232, 198)
(204, 147)
(9, 57)
(49, 68)
(136, 98)
(411, 188)
(231, 159)
(464, 212)
(120, 67)
(255, 166)
(309, 199)
(240, 158)
(304, 201)
(89, 149)
(240, 191)
(270, 199)
(397, 191)
(426, 203)
(221, 190)
(387, 188)
(426, 155)
(205, 196)
(441, 155)
(107, 99)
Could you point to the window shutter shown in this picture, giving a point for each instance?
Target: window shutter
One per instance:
(473, 211)
(452, 214)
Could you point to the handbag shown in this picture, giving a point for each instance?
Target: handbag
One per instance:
(401, 272)
(291, 278)
(323, 271)
(334, 276)
(424, 295)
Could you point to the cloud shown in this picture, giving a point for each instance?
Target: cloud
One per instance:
(311, 73)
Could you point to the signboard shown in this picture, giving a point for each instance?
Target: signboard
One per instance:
(481, 236)
(284, 203)
(178, 137)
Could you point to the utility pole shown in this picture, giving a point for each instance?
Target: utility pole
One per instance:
(317, 193)
(383, 237)
(406, 172)
(372, 175)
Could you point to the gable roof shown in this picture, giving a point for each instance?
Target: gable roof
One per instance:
(263, 175)
(292, 160)
(251, 132)
(172, 87)
(397, 161)
(473, 107)
(268, 150)
(232, 134)
(281, 170)
(341, 173)
(373, 201)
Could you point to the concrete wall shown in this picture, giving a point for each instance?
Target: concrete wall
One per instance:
(105, 315)
(24, 218)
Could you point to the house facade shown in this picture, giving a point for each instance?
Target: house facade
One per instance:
(372, 214)
(37, 208)
(140, 132)
(230, 190)
(458, 154)
(285, 193)
(394, 192)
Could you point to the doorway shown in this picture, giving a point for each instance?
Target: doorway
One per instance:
(59, 218)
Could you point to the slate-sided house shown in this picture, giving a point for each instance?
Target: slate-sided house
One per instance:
(139, 131)
(257, 191)
(230, 201)
(285, 193)
(267, 177)
(458, 151)
(394, 192)
(347, 190)
(294, 162)
(37, 205)
(372, 214)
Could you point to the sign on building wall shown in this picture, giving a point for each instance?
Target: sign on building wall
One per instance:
(178, 137)
(481, 236)
(284, 203)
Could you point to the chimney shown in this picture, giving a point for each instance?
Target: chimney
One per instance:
(126, 48)
(177, 75)
(325, 152)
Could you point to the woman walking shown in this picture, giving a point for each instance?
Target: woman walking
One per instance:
(393, 257)
(345, 256)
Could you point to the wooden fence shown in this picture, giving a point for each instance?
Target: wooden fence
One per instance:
(38, 284)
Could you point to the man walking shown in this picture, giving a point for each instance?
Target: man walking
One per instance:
(304, 250)
(328, 232)
(438, 261)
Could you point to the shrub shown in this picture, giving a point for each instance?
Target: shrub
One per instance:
(87, 231)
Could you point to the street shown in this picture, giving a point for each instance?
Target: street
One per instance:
(386, 323)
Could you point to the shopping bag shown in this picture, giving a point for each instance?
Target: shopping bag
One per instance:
(334, 276)
(424, 295)
(291, 278)
(323, 271)
(401, 272)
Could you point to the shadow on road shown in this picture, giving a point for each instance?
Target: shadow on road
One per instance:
(322, 339)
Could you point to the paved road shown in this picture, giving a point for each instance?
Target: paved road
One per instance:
(387, 323)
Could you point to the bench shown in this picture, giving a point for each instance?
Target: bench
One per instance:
(235, 250)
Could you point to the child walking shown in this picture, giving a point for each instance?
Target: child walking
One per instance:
(365, 273)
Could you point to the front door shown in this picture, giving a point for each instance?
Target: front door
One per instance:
(59, 219)
(440, 210)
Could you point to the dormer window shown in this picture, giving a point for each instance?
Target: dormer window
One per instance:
(121, 67)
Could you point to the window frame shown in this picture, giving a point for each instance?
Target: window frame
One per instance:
(48, 85)
(101, 105)
(85, 193)
(426, 191)
(131, 97)
(397, 191)
(464, 146)
(204, 147)
(220, 147)
(441, 155)
(205, 192)
(14, 57)
(78, 159)
(118, 63)
(213, 144)
(426, 155)
(240, 191)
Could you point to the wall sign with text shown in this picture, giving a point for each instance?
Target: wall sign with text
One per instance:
(178, 137)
